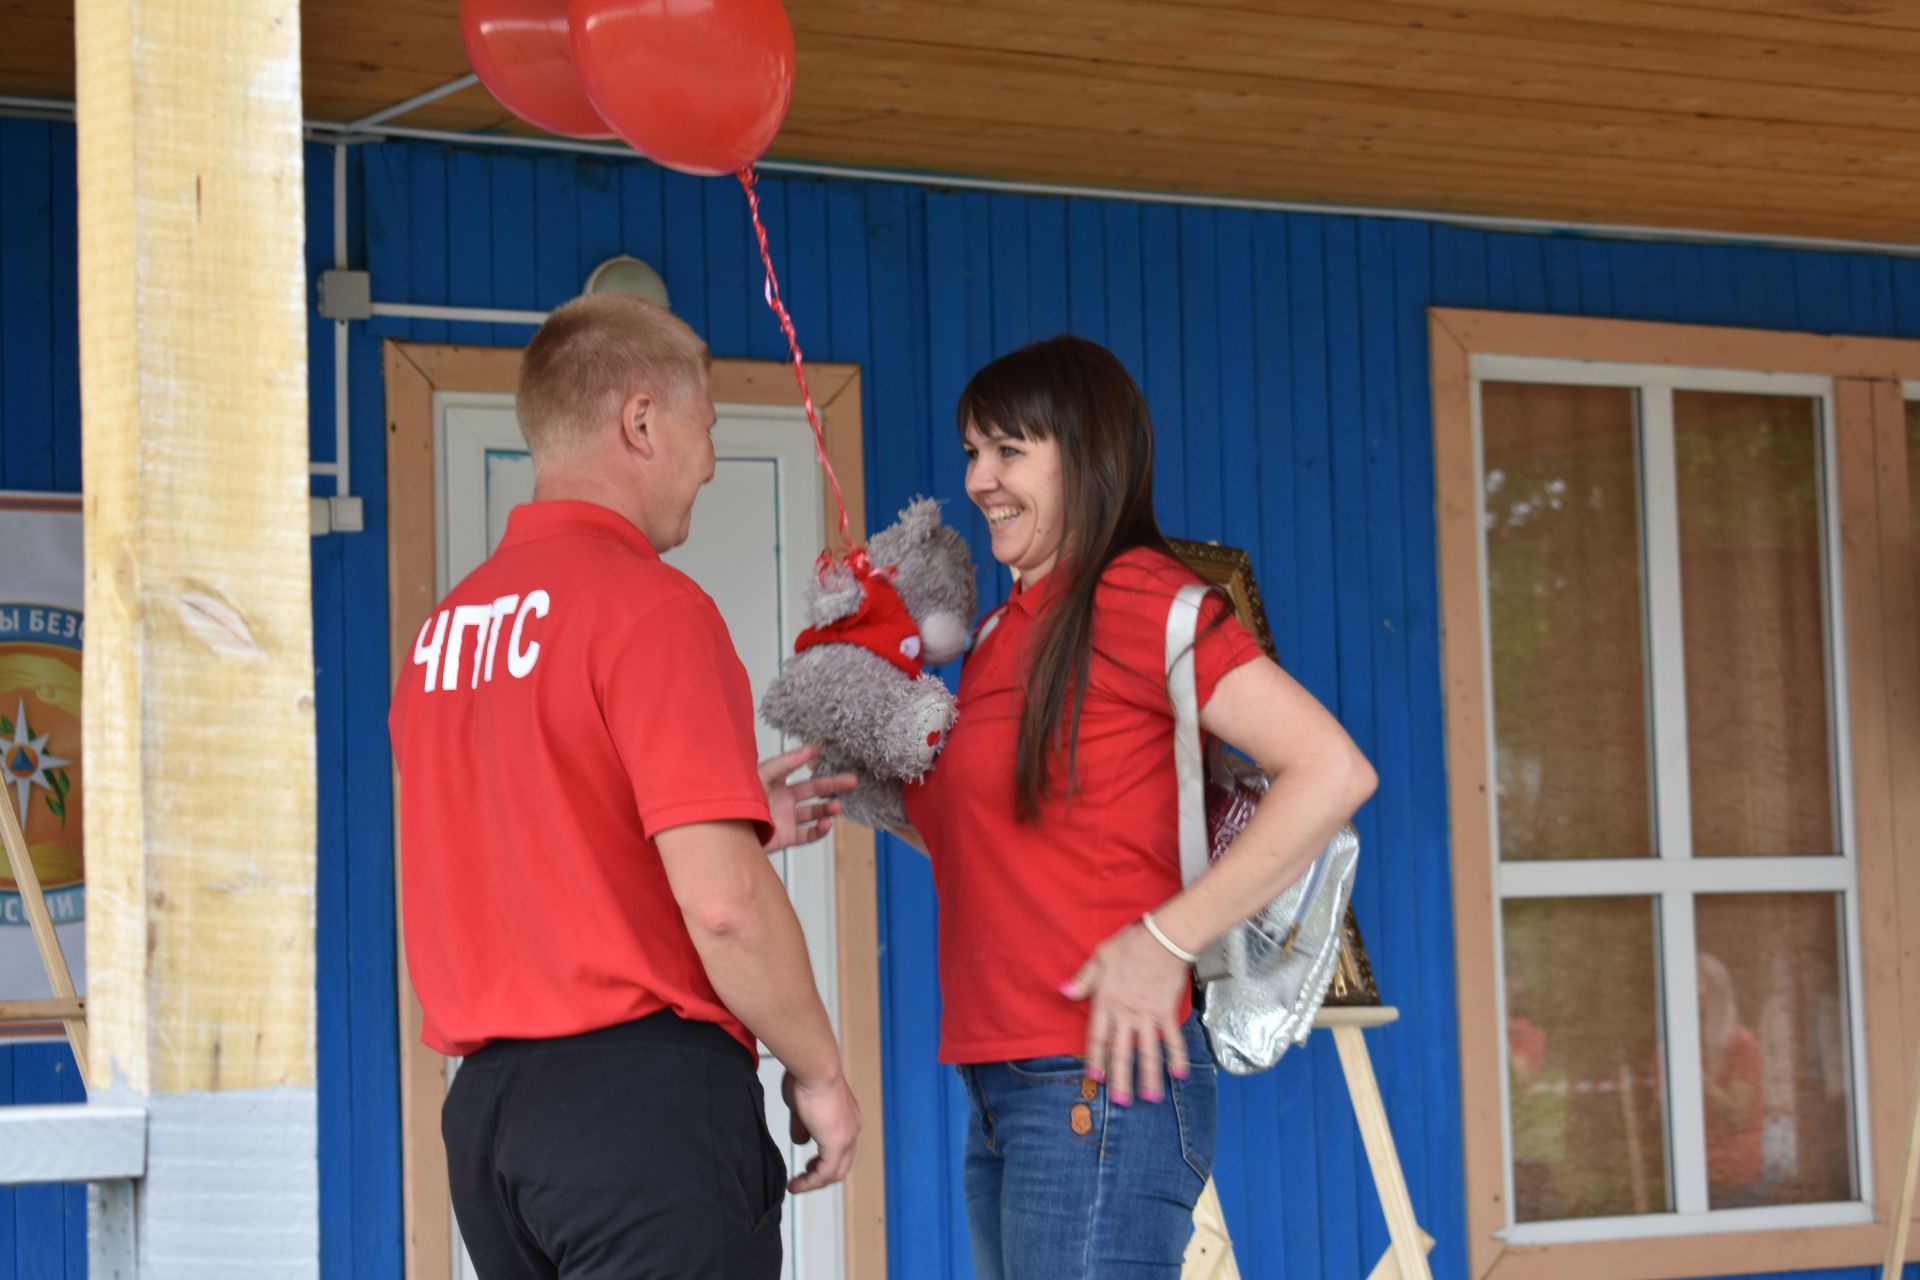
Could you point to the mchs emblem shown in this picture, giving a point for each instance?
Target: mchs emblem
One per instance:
(40, 753)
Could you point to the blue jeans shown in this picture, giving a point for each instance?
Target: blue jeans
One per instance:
(1063, 1185)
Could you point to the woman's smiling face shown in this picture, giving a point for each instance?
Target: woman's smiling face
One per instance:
(1019, 487)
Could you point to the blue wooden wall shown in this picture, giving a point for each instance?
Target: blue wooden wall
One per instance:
(1285, 359)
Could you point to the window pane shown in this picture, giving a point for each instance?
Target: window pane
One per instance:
(1774, 1048)
(1564, 615)
(1756, 662)
(1583, 1034)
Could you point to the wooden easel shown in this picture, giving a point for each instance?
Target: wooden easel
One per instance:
(1903, 1207)
(66, 1006)
(1210, 1252)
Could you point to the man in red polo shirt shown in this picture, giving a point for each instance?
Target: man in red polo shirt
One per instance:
(590, 916)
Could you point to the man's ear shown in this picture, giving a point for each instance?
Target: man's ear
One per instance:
(636, 423)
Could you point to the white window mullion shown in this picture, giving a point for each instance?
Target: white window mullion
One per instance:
(1666, 636)
(1643, 877)
(1686, 1099)
(1672, 797)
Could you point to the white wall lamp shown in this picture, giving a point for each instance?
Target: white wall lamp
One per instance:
(624, 274)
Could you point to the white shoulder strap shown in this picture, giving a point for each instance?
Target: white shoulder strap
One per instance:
(1189, 755)
(1189, 762)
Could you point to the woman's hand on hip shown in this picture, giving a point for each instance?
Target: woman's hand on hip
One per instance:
(1135, 986)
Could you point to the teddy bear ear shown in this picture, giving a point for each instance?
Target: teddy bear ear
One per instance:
(836, 594)
(921, 517)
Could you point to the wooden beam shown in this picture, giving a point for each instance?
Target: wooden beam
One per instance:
(198, 721)
(55, 1010)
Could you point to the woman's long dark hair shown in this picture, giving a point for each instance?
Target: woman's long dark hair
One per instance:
(1077, 393)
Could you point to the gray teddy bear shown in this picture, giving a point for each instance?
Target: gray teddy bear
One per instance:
(858, 682)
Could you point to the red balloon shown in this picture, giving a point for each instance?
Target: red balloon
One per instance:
(701, 86)
(520, 51)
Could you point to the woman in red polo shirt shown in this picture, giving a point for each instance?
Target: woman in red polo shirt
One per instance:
(1065, 936)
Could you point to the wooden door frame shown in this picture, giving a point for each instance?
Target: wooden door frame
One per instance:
(414, 372)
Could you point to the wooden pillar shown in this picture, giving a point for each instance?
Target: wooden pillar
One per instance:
(199, 719)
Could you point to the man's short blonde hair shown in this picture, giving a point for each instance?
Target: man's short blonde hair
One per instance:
(592, 354)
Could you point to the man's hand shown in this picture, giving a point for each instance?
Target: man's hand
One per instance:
(801, 813)
(827, 1115)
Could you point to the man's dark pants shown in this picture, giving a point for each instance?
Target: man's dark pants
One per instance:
(636, 1152)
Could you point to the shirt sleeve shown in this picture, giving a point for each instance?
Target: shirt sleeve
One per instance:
(680, 711)
(1130, 629)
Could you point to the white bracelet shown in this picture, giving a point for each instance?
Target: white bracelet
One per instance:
(1161, 938)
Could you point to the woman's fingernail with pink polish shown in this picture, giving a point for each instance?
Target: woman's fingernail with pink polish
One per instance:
(1122, 1100)
(1180, 1073)
(1147, 1096)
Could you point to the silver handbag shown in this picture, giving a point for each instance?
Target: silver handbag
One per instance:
(1266, 979)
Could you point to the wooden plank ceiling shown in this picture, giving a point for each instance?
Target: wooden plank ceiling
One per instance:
(1766, 117)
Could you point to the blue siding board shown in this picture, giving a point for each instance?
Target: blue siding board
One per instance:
(1126, 300)
(1012, 323)
(684, 256)
(26, 275)
(806, 281)
(514, 288)
(1906, 297)
(470, 243)
(556, 230)
(65, 422)
(1821, 281)
(1274, 420)
(1199, 421)
(642, 216)
(9, 1196)
(372, 930)
(1563, 275)
(1285, 360)
(40, 1210)
(389, 228)
(1239, 518)
(427, 224)
(319, 258)
(332, 911)
(1162, 377)
(1428, 1023)
(764, 338)
(1086, 269)
(849, 300)
(1047, 308)
(725, 267)
(600, 230)
(948, 368)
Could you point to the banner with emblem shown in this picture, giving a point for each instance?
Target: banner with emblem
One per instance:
(42, 594)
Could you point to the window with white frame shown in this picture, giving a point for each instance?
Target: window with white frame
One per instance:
(1676, 879)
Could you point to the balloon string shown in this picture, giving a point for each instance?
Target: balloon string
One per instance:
(748, 177)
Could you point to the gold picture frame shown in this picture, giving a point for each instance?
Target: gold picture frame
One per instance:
(1231, 570)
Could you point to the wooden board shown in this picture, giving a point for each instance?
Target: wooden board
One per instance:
(1800, 119)
(199, 710)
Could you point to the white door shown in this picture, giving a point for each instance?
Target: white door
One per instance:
(756, 531)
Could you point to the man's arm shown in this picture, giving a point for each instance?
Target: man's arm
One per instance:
(743, 925)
